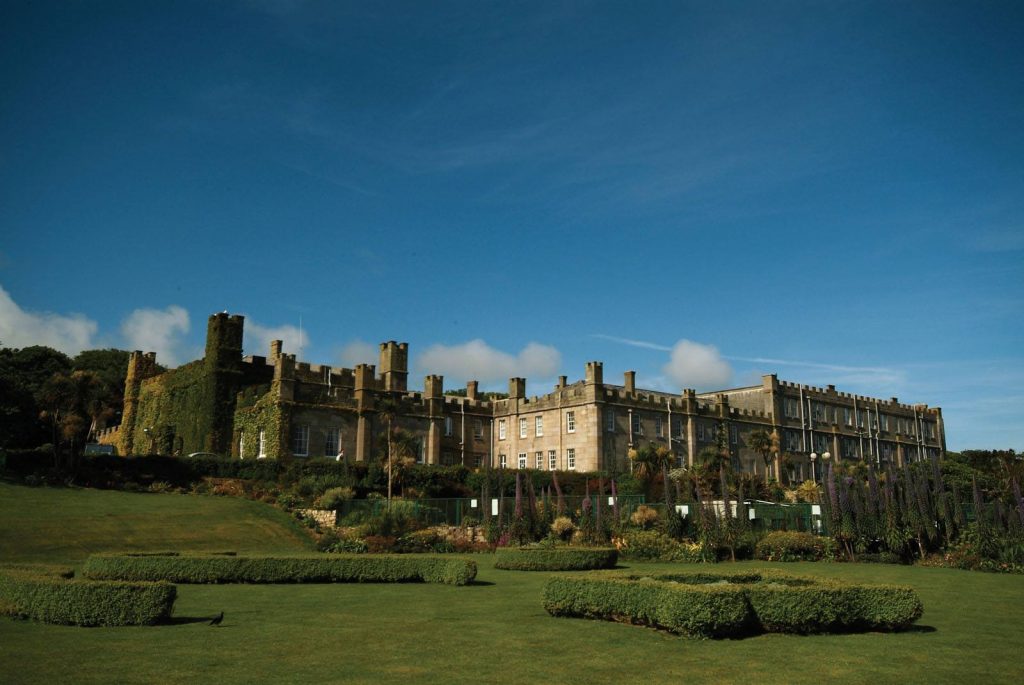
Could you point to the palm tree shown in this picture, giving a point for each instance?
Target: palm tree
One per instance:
(650, 460)
(765, 444)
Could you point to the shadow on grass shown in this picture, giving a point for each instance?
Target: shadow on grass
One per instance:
(184, 620)
(480, 583)
(918, 629)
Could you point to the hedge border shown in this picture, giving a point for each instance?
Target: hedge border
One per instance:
(323, 568)
(52, 595)
(705, 604)
(555, 559)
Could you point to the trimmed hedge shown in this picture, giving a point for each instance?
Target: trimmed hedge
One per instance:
(50, 595)
(727, 604)
(693, 611)
(333, 568)
(556, 559)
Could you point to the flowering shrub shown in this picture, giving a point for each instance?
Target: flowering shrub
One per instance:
(655, 546)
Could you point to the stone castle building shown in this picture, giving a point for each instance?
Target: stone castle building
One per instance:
(276, 407)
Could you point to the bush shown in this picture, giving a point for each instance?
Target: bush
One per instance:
(556, 558)
(644, 517)
(333, 498)
(651, 545)
(694, 611)
(791, 546)
(563, 528)
(50, 595)
(729, 604)
(206, 568)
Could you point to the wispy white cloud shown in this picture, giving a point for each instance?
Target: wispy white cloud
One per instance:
(158, 330)
(258, 338)
(358, 352)
(633, 343)
(476, 360)
(69, 333)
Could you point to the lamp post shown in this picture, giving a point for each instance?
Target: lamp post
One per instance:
(814, 473)
(824, 460)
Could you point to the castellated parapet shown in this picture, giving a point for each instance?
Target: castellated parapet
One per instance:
(281, 407)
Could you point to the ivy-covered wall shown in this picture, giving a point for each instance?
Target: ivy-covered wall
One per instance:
(176, 409)
(265, 414)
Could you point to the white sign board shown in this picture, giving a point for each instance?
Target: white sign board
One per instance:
(611, 501)
(472, 503)
(494, 507)
(683, 509)
(815, 510)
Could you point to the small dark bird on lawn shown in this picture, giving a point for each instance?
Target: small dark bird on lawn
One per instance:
(217, 619)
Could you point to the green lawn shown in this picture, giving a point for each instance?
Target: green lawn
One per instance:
(493, 631)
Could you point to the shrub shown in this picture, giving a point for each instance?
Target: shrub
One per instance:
(563, 528)
(205, 568)
(644, 517)
(725, 604)
(333, 498)
(791, 546)
(50, 595)
(652, 545)
(556, 558)
(695, 611)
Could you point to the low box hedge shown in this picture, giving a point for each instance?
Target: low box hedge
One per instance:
(51, 595)
(707, 604)
(694, 611)
(556, 558)
(322, 568)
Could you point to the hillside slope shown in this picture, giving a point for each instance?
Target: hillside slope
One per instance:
(65, 525)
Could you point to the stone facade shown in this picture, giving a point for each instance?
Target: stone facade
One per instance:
(279, 408)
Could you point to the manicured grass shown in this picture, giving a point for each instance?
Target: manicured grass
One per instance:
(65, 525)
(497, 631)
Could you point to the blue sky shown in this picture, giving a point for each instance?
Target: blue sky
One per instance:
(702, 192)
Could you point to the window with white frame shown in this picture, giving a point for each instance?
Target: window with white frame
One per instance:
(570, 459)
(300, 440)
(449, 425)
(538, 426)
(820, 443)
(659, 430)
(522, 460)
(609, 421)
(263, 445)
(700, 431)
(636, 426)
(818, 411)
(570, 422)
(501, 429)
(552, 460)
(539, 460)
(522, 427)
(791, 441)
(502, 461)
(478, 428)
(885, 421)
(860, 418)
(332, 442)
(847, 416)
(677, 427)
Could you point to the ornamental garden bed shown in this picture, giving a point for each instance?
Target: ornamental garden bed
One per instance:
(556, 558)
(702, 604)
(305, 568)
(53, 595)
